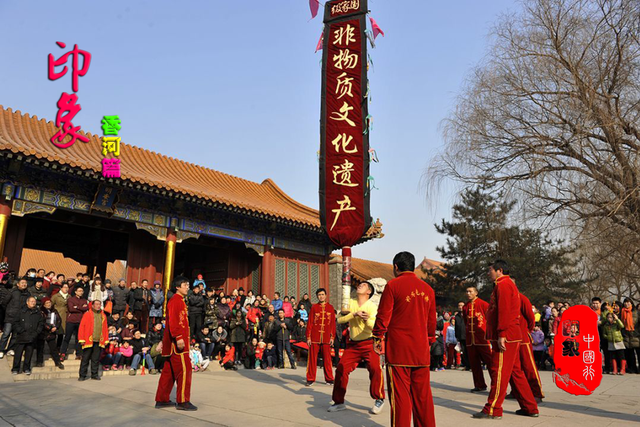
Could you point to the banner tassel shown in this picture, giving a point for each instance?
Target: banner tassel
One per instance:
(373, 156)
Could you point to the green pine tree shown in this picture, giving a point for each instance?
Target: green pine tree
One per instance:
(479, 233)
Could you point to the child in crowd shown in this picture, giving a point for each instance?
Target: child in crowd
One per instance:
(537, 336)
(259, 354)
(437, 350)
(451, 344)
(228, 362)
(110, 356)
(269, 357)
(126, 352)
(302, 312)
(198, 362)
(548, 354)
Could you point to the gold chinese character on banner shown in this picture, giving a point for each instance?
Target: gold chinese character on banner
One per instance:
(344, 117)
(344, 205)
(344, 85)
(345, 34)
(111, 144)
(345, 59)
(343, 140)
(342, 174)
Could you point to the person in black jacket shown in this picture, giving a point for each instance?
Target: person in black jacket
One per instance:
(38, 291)
(141, 350)
(461, 335)
(120, 298)
(52, 328)
(196, 310)
(84, 284)
(284, 328)
(15, 302)
(27, 328)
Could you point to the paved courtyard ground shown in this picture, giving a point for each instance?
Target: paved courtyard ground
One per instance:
(279, 398)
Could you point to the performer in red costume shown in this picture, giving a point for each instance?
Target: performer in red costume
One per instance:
(175, 346)
(405, 328)
(527, 362)
(321, 332)
(503, 330)
(478, 348)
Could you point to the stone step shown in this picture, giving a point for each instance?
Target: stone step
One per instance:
(36, 374)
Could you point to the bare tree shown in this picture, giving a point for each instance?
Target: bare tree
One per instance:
(553, 116)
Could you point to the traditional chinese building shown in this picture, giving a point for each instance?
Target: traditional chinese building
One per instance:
(162, 216)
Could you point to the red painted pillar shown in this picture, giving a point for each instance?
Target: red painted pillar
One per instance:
(267, 276)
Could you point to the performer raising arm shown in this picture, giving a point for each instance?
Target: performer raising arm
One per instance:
(406, 326)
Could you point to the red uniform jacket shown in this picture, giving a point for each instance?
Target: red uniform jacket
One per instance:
(86, 332)
(322, 323)
(527, 319)
(177, 326)
(407, 316)
(503, 315)
(475, 321)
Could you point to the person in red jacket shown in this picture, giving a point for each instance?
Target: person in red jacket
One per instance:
(92, 336)
(527, 361)
(405, 328)
(478, 348)
(503, 330)
(175, 347)
(320, 335)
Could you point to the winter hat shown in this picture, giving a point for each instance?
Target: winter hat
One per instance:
(199, 276)
(157, 282)
(44, 300)
(4, 265)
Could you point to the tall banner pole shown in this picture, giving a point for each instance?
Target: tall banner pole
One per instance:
(344, 131)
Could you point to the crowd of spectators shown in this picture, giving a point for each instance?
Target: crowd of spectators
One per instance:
(238, 329)
(618, 326)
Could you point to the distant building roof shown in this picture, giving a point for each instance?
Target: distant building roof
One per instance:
(363, 269)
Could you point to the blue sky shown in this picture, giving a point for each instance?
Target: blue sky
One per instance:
(235, 86)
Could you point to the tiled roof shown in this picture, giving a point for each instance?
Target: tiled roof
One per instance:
(363, 269)
(30, 136)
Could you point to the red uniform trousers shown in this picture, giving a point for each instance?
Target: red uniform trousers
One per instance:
(355, 352)
(312, 362)
(477, 354)
(505, 366)
(176, 369)
(528, 364)
(410, 394)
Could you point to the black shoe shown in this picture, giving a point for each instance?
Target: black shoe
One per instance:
(309, 383)
(510, 396)
(294, 367)
(83, 379)
(477, 390)
(329, 383)
(164, 404)
(186, 406)
(524, 413)
(484, 415)
(39, 365)
(60, 366)
(96, 378)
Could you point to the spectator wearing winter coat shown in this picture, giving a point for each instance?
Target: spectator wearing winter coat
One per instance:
(76, 307)
(223, 313)
(269, 357)
(276, 302)
(98, 292)
(199, 282)
(238, 328)
(38, 292)
(15, 302)
(139, 304)
(27, 328)
(437, 350)
(451, 342)
(537, 337)
(461, 335)
(52, 329)
(228, 361)
(120, 297)
(250, 361)
(205, 338)
(84, 284)
(196, 310)
(613, 333)
(141, 348)
(288, 308)
(630, 335)
(126, 352)
(156, 303)
(303, 313)
(5, 290)
(284, 328)
(93, 335)
(59, 301)
(220, 341)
